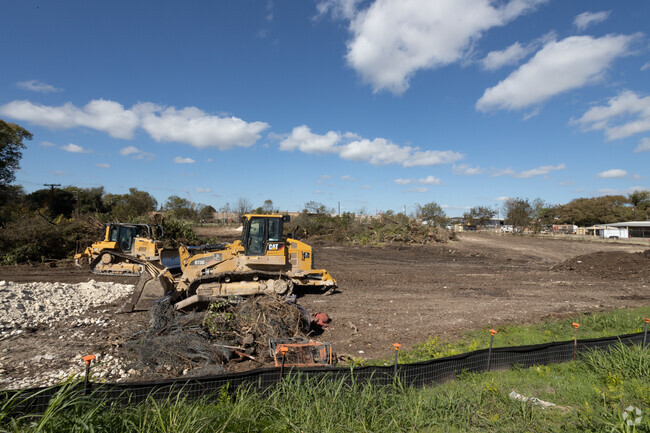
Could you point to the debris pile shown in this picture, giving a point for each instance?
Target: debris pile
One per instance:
(201, 343)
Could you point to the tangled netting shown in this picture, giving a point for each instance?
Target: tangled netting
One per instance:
(201, 343)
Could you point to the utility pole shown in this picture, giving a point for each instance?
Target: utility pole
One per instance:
(52, 186)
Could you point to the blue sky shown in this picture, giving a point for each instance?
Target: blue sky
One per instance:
(377, 105)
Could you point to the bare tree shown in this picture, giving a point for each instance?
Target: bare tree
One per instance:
(243, 206)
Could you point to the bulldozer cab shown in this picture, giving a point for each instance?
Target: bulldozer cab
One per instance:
(262, 234)
(125, 234)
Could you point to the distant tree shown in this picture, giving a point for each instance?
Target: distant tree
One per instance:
(87, 200)
(53, 201)
(180, 208)
(127, 207)
(479, 215)
(541, 214)
(597, 210)
(431, 213)
(207, 213)
(316, 207)
(267, 207)
(518, 213)
(225, 208)
(640, 201)
(11, 144)
(12, 199)
(243, 206)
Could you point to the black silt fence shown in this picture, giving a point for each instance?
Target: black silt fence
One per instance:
(418, 374)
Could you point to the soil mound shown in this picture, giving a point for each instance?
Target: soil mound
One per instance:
(609, 264)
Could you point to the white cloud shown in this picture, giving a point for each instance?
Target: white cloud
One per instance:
(645, 66)
(608, 191)
(59, 173)
(393, 39)
(179, 160)
(135, 153)
(558, 67)
(301, 138)
(514, 53)
(539, 171)
(586, 19)
(502, 198)
(340, 9)
(634, 112)
(188, 125)
(378, 151)
(47, 144)
(510, 56)
(644, 145)
(37, 86)
(74, 148)
(129, 150)
(202, 190)
(466, 170)
(366, 187)
(430, 180)
(101, 115)
(348, 177)
(195, 127)
(613, 173)
(418, 189)
(102, 165)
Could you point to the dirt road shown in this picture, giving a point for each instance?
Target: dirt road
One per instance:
(402, 294)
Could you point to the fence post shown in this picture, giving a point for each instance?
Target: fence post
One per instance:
(645, 333)
(87, 386)
(396, 346)
(575, 339)
(492, 333)
(284, 350)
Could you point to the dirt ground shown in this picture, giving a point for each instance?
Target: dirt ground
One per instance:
(404, 294)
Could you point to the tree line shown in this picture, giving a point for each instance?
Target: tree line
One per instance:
(52, 222)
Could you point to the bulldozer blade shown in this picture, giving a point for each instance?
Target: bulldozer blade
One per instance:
(147, 292)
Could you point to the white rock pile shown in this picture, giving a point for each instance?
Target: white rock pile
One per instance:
(27, 305)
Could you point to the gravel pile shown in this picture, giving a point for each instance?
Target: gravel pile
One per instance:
(64, 322)
(29, 305)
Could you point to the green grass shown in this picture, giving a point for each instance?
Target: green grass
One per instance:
(617, 322)
(592, 395)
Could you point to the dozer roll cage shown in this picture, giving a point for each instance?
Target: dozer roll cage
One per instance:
(124, 234)
(261, 233)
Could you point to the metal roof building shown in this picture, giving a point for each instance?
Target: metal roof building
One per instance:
(635, 229)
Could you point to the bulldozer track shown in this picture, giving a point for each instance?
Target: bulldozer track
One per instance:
(235, 276)
(145, 264)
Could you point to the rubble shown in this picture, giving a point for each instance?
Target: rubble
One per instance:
(27, 306)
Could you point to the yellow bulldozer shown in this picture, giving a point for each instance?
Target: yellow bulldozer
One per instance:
(126, 249)
(263, 261)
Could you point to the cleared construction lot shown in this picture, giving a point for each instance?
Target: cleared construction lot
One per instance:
(392, 294)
